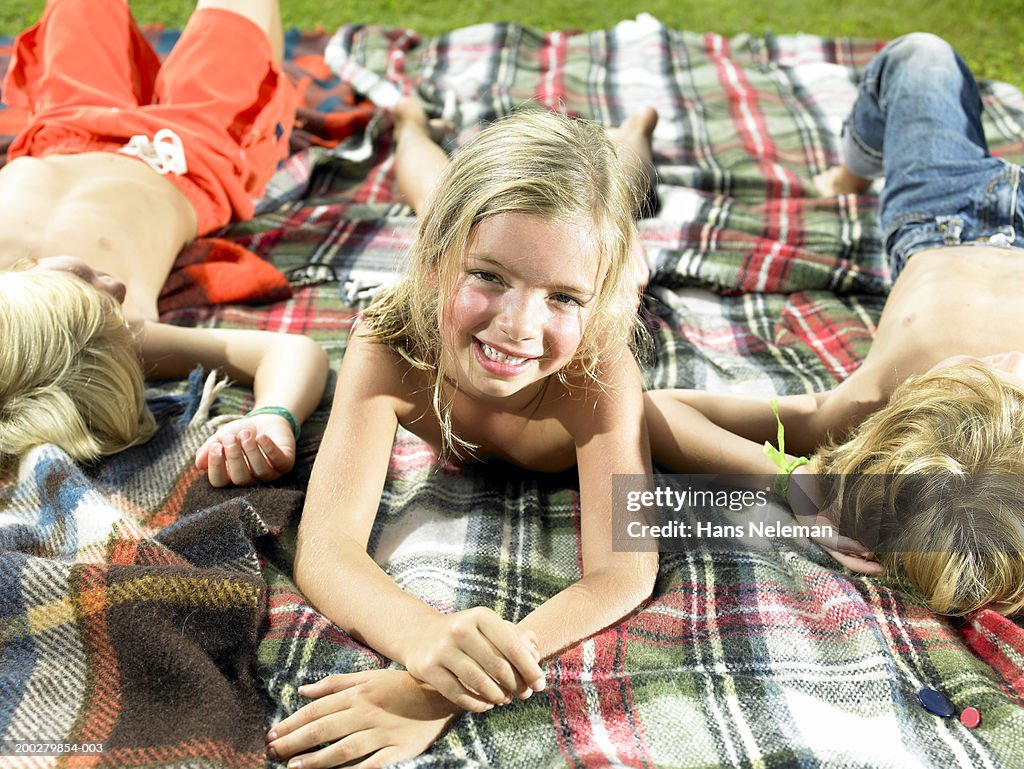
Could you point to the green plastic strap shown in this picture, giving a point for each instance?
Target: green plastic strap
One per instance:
(280, 411)
(778, 457)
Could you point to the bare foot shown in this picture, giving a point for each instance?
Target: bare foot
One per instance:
(632, 141)
(840, 180)
(410, 116)
(419, 158)
(639, 124)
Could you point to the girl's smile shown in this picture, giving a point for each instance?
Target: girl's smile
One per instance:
(520, 308)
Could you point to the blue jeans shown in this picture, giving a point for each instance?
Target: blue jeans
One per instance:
(917, 121)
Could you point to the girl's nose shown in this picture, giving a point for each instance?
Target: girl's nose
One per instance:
(521, 316)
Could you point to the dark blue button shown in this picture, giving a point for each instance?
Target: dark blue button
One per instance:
(936, 703)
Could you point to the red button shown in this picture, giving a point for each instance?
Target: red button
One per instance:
(970, 717)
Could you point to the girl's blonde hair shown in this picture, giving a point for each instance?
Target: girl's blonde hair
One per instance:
(934, 482)
(533, 162)
(69, 369)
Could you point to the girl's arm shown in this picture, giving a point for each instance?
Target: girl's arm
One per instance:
(390, 711)
(611, 440)
(285, 370)
(473, 657)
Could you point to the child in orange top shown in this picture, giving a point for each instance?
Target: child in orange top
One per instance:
(123, 162)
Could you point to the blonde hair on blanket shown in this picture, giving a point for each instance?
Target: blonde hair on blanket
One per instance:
(533, 162)
(69, 369)
(950, 444)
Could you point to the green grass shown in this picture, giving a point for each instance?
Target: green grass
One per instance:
(989, 34)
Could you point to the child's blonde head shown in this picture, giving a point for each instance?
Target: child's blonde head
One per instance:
(69, 369)
(538, 163)
(935, 478)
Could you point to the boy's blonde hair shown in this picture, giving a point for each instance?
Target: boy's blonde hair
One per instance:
(69, 369)
(945, 503)
(533, 162)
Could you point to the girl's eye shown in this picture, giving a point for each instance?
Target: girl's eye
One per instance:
(489, 277)
(566, 299)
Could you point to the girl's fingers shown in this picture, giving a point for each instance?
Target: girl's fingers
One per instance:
(484, 670)
(341, 751)
(309, 726)
(451, 689)
(338, 682)
(520, 651)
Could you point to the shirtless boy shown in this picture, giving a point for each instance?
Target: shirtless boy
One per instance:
(942, 389)
(125, 161)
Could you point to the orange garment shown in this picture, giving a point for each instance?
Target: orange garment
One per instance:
(91, 82)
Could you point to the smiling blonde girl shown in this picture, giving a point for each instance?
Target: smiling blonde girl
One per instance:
(509, 337)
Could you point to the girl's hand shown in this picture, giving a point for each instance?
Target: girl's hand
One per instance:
(251, 449)
(476, 659)
(375, 718)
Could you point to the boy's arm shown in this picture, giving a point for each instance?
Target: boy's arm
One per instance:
(284, 370)
(719, 433)
(611, 440)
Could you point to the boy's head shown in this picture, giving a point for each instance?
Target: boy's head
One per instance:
(69, 368)
(935, 483)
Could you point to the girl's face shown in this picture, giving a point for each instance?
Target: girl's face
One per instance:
(526, 289)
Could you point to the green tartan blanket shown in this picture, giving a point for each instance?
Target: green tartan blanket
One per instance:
(770, 657)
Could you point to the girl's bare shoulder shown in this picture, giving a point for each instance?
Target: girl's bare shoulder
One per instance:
(615, 392)
(377, 369)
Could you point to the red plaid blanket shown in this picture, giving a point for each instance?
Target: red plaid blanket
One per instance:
(769, 657)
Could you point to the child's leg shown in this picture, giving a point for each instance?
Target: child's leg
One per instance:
(632, 141)
(222, 90)
(917, 120)
(918, 106)
(265, 14)
(81, 53)
(419, 159)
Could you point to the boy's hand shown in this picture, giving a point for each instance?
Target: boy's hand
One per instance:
(379, 716)
(806, 499)
(476, 659)
(247, 450)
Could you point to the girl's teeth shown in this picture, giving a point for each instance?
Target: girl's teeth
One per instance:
(501, 357)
